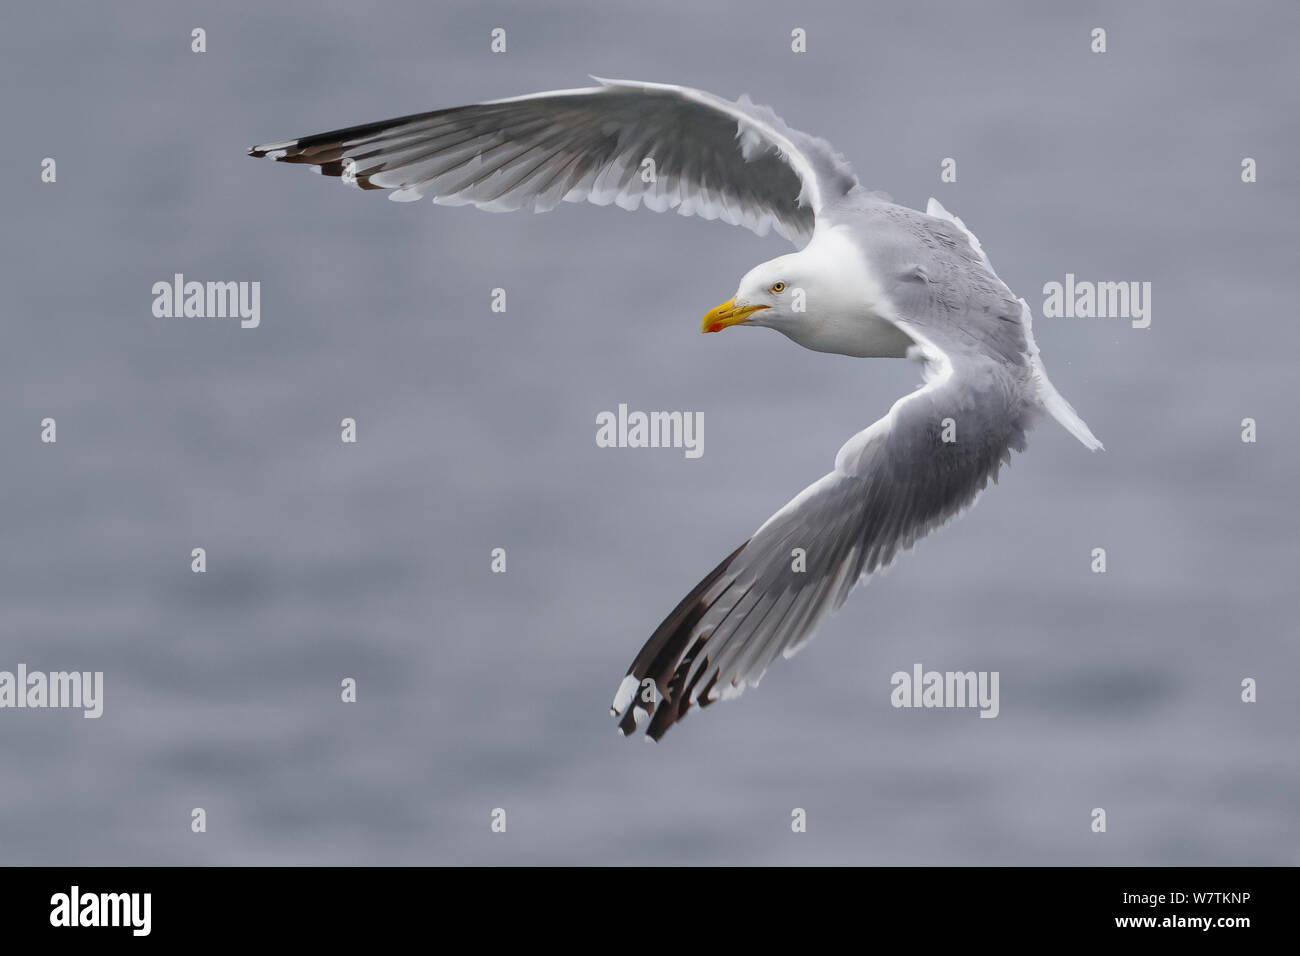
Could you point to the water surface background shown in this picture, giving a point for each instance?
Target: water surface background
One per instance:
(479, 691)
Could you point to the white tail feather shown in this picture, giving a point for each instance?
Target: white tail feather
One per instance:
(1052, 400)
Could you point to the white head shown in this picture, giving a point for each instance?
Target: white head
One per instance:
(773, 294)
(824, 297)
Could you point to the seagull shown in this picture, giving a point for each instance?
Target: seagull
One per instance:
(869, 279)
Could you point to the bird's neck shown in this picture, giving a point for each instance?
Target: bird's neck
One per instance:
(848, 307)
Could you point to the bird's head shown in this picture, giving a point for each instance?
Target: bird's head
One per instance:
(822, 297)
(772, 295)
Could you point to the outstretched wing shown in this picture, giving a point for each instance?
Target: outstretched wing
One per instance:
(737, 162)
(892, 484)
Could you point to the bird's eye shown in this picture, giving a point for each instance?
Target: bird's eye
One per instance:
(778, 287)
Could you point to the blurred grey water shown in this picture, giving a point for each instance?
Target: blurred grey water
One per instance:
(479, 691)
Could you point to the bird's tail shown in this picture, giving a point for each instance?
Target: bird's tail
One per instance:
(1052, 400)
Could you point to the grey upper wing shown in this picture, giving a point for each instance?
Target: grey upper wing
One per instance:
(892, 484)
(737, 162)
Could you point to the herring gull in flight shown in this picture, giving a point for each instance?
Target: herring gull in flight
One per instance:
(869, 279)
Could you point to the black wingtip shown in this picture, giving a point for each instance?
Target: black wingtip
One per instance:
(667, 656)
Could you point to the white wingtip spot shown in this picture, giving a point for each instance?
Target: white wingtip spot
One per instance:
(272, 150)
(626, 690)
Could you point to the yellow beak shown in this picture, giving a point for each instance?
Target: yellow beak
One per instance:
(728, 314)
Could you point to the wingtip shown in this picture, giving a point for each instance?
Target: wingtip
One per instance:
(624, 695)
(273, 150)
